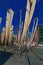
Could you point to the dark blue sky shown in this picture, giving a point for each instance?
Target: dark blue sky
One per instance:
(16, 5)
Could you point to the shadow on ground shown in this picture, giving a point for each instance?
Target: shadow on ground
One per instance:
(4, 56)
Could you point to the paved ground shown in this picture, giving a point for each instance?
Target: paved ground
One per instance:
(35, 57)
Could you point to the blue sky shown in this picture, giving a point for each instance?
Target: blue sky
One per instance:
(16, 5)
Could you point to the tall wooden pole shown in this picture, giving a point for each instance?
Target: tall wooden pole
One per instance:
(28, 17)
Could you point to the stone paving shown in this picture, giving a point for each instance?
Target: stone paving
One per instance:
(36, 58)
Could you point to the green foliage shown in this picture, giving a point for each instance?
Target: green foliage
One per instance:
(41, 29)
(40, 34)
